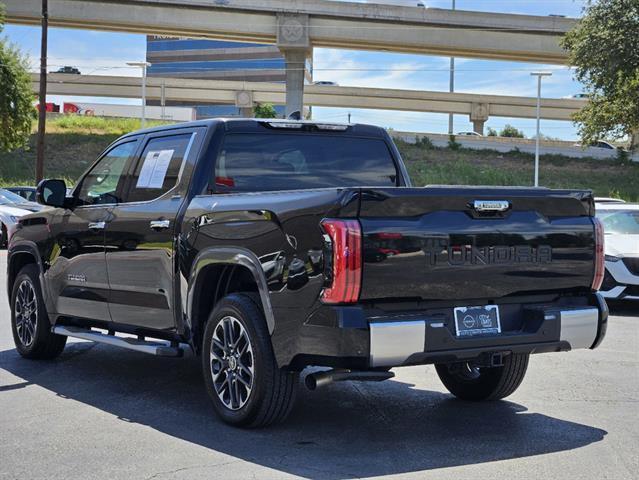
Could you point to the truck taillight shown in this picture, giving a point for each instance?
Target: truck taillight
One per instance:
(346, 262)
(600, 265)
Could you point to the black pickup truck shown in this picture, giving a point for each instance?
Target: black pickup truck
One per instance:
(267, 246)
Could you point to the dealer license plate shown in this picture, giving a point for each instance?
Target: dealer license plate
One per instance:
(471, 321)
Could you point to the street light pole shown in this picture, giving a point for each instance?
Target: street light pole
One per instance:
(539, 76)
(451, 88)
(144, 66)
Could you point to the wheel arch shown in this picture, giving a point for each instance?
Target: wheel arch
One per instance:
(217, 272)
(19, 256)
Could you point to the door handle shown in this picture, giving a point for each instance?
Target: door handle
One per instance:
(97, 225)
(159, 224)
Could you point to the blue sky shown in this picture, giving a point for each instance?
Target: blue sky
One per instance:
(105, 53)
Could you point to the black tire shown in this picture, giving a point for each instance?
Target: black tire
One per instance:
(477, 384)
(36, 341)
(3, 236)
(272, 392)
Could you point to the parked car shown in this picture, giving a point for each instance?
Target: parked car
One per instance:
(268, 246)
(27, 193)
(600, 144)
(603, 144)
(12, 208)
(621, 227)
(471, 134)
(601, 200)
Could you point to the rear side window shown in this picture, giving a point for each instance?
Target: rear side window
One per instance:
(158, 168)
(267, 162)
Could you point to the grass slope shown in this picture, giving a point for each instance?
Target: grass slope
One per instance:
(443, 166)
(74, 142)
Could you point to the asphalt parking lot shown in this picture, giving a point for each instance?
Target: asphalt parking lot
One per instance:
(101, 412)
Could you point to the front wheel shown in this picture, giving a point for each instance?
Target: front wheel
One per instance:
(30, 324)
(241, 375)
(4, 237)
(470, 382)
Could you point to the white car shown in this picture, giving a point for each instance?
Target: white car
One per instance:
(12, 207)
(621, 228)
(599, 200)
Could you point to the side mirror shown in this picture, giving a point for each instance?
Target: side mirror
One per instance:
(52, 193)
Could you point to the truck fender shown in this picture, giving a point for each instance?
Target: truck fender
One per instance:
(30, 248)
(230, 256)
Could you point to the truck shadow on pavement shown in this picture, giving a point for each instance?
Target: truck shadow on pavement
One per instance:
(344, 430)
(627, 308)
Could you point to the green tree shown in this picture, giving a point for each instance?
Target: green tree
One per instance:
(604, 48)
(492, 132)
(16, 98)
(510, 131)
(264, 110)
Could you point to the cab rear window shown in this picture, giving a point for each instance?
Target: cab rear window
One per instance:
(270, 162)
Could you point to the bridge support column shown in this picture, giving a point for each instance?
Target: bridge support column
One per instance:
(478, 115)
(478, 126)
(294, 43)
(244, 101)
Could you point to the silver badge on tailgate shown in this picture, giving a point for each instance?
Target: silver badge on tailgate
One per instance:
(491, 205)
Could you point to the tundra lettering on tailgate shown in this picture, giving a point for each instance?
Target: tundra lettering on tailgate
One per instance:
(439, 251)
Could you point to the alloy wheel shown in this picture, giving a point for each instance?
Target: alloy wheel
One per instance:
(26, 313)
(232, 363)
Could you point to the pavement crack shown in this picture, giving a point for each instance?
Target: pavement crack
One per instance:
(192, 467)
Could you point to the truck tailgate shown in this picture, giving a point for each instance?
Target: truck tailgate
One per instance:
(436, 243)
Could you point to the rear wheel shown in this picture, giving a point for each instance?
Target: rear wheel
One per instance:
(30, 324)
(469, 382)
(241, 375)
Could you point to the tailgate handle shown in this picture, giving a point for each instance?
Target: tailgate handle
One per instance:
(491, 205)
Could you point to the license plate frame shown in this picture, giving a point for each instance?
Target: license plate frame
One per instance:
(477, 320)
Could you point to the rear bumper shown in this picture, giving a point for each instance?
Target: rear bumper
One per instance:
(406, 342)
(414, 338)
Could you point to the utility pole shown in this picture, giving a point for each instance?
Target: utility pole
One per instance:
(42, 114)
(163, 100)
(349, 117)
(144, 66)
(539, 76)
(451, 88)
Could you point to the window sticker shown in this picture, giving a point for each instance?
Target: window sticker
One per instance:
(154, 169)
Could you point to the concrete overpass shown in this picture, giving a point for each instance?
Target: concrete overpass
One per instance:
(296, 26)
(245, 94)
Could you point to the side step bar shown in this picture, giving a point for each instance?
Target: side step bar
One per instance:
(158, 348)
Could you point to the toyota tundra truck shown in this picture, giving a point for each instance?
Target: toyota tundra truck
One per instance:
(269, 246)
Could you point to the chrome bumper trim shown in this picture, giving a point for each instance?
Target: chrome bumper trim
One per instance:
(391, 343)
(579, 327)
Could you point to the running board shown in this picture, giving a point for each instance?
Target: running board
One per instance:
(158, 348)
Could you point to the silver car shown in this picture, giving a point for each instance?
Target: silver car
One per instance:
(12, 207)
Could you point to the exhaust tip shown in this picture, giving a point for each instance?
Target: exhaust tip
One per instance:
(319, 379)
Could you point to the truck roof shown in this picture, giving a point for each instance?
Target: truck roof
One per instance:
(254, 125)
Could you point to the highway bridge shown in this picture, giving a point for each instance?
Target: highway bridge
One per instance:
(245, 94)
(296, 26)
